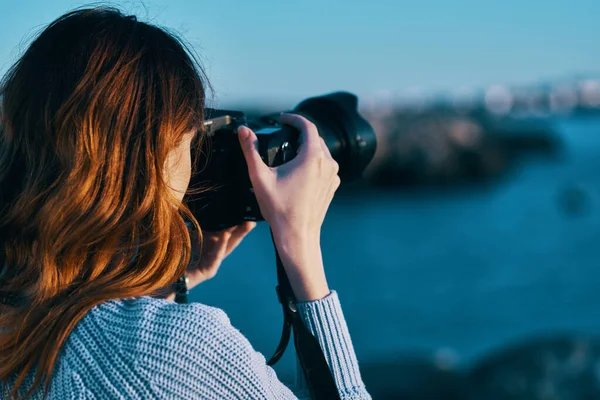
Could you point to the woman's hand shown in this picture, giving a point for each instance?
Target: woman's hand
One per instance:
(216, 246)
(294, 199)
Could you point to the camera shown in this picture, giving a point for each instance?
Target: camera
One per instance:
(228, 198)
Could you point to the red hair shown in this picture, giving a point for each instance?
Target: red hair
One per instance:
(88, 116)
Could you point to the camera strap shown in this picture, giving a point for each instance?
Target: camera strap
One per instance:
(319, 378)
(180, 288)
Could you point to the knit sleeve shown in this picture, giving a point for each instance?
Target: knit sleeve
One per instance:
(205, 357)
(325, 320)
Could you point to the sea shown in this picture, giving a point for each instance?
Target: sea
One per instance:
(458, 272)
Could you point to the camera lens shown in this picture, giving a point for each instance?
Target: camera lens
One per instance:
(349, 137)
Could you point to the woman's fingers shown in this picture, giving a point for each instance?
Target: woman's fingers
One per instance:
(310, 140)
(324, 147)
(309, 135)
(221, 244)
(334, 165)
(334, 186)
(249, 144)
(238, 235)
(215, 245)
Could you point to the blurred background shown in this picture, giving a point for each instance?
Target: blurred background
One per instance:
(466, 259)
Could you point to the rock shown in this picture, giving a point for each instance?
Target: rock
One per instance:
(415, 378)
(545, 368)
(444, 148)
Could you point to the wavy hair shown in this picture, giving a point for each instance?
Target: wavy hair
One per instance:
(88, 115)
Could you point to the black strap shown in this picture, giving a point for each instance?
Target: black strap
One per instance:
(181, 290)
(310, 355)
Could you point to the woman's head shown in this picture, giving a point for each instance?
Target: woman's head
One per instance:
(96, 120)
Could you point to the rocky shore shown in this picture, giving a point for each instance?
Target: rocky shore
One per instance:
(560, 366)
(441, 148)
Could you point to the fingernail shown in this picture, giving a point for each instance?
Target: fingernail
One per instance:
(243, 133)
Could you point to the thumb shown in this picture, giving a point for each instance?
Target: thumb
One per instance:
(249, 144)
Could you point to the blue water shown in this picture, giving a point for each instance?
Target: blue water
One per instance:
(465, 270)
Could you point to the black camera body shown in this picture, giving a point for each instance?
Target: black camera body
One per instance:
(229, 199)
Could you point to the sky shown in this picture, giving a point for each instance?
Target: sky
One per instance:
(283, 50)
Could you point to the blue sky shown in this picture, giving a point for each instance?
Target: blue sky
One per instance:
(287, 50)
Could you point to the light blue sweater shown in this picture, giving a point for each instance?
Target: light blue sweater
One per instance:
(146, 348)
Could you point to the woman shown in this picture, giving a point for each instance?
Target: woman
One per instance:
(98, 120)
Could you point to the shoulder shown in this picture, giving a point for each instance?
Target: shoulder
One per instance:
(190, 348)
(140, 322)
(145, 348)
